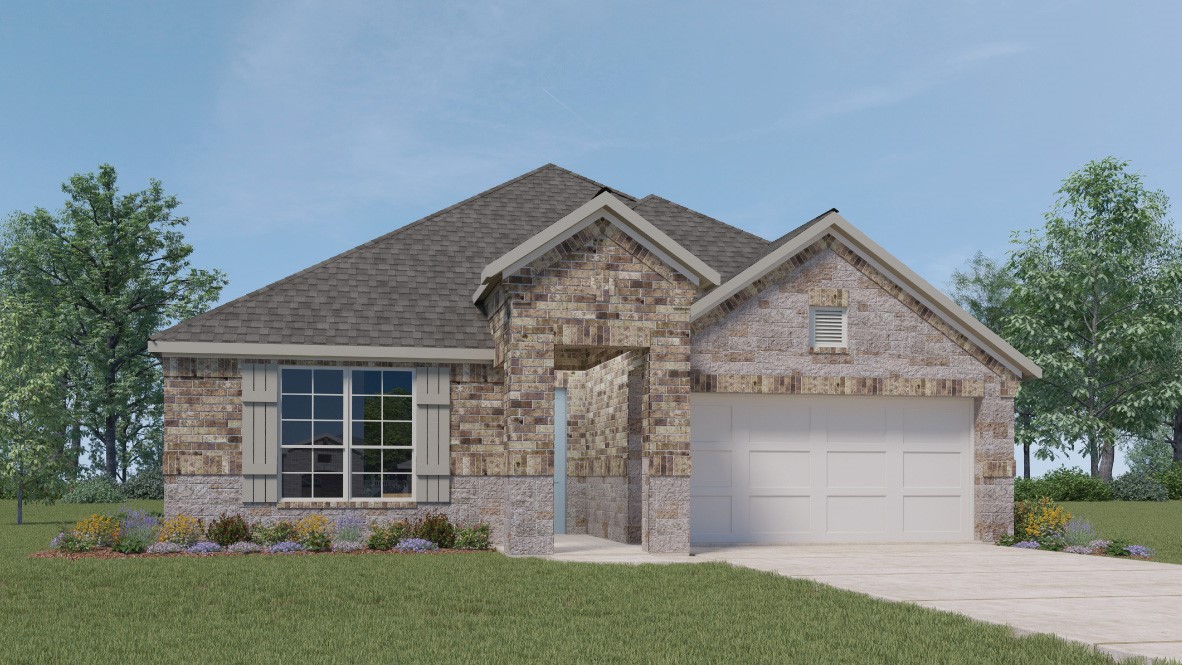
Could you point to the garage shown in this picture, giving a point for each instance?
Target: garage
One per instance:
(774, 469)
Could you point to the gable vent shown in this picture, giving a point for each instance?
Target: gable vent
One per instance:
(828, 326)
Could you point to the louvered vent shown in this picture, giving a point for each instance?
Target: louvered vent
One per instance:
(828, 325)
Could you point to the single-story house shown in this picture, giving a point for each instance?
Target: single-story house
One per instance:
(555, 356)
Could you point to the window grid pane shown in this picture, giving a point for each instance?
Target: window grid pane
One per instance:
(382, 461)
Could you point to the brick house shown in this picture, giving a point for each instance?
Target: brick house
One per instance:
(552, 356)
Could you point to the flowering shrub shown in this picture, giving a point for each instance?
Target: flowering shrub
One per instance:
(349, 528)
(137, 530)
(286, 547)
(1027, 544)
(1099, 544)
(182, 530)
(347, 546)
(164, 547)
(245, 547)
(1040, 519)
(204, 547)
(97, 531)
(387, 536)
(1078, 532)
(1138, 551)
(269, 534)
(227, 530)
(417, 545)
(475, 537)
(435, 528)
(314, 532)
(67, 541)
(1078, 549)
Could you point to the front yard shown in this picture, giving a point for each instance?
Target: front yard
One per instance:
(1156, 524)
(480, 607)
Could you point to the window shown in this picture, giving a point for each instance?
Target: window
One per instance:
(375, 453)
(827, 326)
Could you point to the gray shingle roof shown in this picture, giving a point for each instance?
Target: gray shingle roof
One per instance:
(413, 287)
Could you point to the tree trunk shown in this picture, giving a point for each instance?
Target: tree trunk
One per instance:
(1094, 458)
(20, 499)
(1177, 440)
(75, 450)
(109, 438)
(1026, 460)
(1107, 458)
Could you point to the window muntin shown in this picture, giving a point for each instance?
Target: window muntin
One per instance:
(827, 327)
(316, 404)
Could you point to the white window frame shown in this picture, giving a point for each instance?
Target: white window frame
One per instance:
(347, 443)
(845, 335)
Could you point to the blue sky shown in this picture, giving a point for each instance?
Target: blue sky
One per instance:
(293, 131)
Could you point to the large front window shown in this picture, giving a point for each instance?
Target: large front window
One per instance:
(315, 405)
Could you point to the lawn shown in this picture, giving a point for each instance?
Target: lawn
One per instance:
(1157, 524)
(474, 608)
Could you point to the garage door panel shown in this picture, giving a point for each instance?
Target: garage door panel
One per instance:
(770, 515)
(780, 469)
(773, 421)
(856, 514)
(932, 514)
(712, 469)
(939, 422)
(941, 470)
(855, 421)
(711, 516)
(856, 469)
(710, 423)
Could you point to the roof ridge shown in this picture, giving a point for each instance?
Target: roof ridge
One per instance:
(347, 252)
(613, 190)
(792, 232)
(702, 214)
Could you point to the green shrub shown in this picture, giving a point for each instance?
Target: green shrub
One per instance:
(435, 528)
(1139, 487)
(1063, 484)
(1171, 479)
(100, 489)
(227, 530)
(475, 537)
(386, 536)
(147, 483)
(270, 534)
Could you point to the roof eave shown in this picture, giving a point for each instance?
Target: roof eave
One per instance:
(166, 348)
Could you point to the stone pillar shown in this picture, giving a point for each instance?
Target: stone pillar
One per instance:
(529, 440)
(993, 463)
(666, 463)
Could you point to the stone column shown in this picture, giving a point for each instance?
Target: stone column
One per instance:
(529, 441)
(666, 463)
(993, 463)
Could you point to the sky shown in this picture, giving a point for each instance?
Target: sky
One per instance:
(292, 131)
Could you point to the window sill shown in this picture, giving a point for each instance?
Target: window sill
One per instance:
(830, 350)
(371, 504)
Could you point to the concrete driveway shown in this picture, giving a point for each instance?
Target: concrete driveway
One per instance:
(1122, 607)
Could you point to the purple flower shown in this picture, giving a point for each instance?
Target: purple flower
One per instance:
(349, 527)
(139, 519)
(286, 547)
(57, 541)
(245, 547)
(1099, 544)
(415, 545)
(164, 548)
(204, 547)
(1139, 550)
(347, 546)
(1027, 545)
(1078, 549)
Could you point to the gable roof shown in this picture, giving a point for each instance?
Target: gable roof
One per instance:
(832, 223)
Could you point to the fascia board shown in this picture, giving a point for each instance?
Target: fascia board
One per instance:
(318, 351)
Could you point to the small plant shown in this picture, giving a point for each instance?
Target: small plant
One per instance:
(475, 537)
(387, 536)
(164, 548)
(182, 530)
(415, 545)
(1078, 532)
(138, 529)
(1027, 545)
(1040, 519)
(68, 542)
(1139, 551)
(435, 528)
(349, 528)
(1099, 545)
(100, 489)
(286, 547)
(347, 546)
(1078, 549)
(245, 547)
(204, 547)
(270, 534)
(314, 532)
(98, 530)
(227, 530)
(1139, 487)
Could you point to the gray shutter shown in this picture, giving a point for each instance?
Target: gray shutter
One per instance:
(433, 434)
(260, 433)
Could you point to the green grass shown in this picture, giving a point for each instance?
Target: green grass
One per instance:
(1156, 524)
(480, 608)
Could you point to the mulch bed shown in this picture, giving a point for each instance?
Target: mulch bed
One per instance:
(108, 553)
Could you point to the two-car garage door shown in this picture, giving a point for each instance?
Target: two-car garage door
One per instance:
(784, 469)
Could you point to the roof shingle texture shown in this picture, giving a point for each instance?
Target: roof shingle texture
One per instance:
(413, 287)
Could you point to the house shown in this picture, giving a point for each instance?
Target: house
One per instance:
(554, 356)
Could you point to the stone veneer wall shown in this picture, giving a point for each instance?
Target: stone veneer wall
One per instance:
(599, 288)
(759, 342)
(203, 441)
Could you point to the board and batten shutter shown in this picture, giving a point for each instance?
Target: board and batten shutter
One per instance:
(260, 433)
(433, 434)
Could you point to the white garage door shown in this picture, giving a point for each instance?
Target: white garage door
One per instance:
(785, 469)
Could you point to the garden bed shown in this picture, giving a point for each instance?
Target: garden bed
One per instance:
(1044, 525)
(108, 553)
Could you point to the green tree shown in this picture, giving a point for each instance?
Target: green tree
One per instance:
(1096, 304)
(115, 268)
(32, 422)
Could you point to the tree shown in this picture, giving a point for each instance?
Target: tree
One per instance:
(32, 422)
(1096, 303)
(115, 268)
